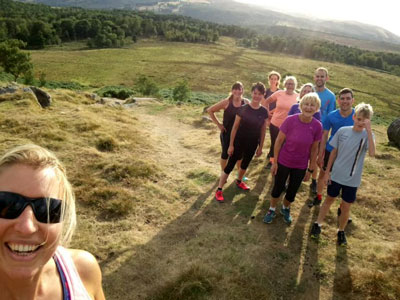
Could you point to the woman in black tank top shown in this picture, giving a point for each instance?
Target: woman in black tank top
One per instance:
(247, 138)
(230, 106)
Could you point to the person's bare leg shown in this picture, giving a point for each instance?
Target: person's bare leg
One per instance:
(344, 216)
(222, 179)
(223, 163)
(323, 211)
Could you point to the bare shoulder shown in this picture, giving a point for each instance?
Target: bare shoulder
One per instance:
(89, 272)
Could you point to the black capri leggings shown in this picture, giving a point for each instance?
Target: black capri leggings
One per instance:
(243, 149)
(273, 132)
(295, 178)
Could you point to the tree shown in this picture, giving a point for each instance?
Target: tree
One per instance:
(13, 60)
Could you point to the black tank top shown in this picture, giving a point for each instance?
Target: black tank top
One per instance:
(230, 115)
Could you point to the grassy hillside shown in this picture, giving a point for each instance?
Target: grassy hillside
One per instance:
(209, 68)
(145, 178)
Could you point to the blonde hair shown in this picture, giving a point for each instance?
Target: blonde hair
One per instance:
(304, 86)
(40, 158)
(364, 110)
(311, 98)
(290, 78)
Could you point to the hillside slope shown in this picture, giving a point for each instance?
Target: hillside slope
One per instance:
(231, 12)
(146, 208)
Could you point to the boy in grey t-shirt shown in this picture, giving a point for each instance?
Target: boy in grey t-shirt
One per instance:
(350, 145)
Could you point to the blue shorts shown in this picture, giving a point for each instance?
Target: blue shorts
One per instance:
(348, 192)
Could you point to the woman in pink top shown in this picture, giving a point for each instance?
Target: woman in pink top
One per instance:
(37, 216)
(284, 100)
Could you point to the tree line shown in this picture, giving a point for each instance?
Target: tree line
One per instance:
(39, 25)
(326, 51)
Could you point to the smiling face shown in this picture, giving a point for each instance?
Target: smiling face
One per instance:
(237, 92)
(359, 122)
(290, 85)
(273, 81)
(320, 78)
(305, 90)
(26, 245)
(346, 101)
(256, 96)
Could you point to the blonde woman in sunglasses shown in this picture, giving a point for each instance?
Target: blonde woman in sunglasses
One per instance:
(37, 219)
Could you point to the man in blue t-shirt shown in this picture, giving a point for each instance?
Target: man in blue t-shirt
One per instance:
(328, 99)
(328, 104)
(335, 120)
(349, 146)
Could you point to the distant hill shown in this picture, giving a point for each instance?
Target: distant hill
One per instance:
(231, 12)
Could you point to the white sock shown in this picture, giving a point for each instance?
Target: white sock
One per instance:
(272, 208)
(284, 207)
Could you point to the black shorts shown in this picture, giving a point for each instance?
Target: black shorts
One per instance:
(348, 192)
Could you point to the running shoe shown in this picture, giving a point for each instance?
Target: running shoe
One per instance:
(341, 238)
(269, 216)
(286, 215)
(218, 196)
(315, 202)
(315, 231)
(242, 186)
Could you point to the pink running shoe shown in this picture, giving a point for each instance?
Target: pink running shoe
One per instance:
(218, 196)
(242, 186)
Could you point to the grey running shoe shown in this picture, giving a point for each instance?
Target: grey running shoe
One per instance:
(286, 215)
(341, 238)
(269, 216)
(315, 231)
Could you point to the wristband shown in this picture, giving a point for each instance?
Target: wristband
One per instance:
(309, 170)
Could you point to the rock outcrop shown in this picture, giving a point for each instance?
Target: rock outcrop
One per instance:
(393, 132)
(43, 98)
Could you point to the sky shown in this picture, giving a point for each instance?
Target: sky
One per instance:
(383, 13)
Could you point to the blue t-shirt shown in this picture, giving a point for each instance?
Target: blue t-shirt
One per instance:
(334, 121)
(351, 149)
(328, 103)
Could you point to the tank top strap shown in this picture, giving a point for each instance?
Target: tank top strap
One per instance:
(73, 288)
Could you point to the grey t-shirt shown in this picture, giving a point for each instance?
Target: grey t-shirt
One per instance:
(351, 148)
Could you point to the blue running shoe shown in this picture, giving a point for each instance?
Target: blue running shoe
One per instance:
(269, 216)
(286, 215)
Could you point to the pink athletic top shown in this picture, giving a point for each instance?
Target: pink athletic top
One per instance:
(73, 287)
(283, 104)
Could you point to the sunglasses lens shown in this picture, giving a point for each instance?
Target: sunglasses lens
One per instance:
(48, 212)
(10, 207)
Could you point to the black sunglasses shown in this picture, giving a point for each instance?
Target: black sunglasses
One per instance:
(46, 210)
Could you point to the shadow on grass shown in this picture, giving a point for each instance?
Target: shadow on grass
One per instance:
(342, 283)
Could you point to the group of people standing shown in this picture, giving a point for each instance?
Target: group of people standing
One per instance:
(299, 126)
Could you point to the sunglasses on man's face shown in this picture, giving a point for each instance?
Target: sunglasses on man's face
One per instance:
(46, 210)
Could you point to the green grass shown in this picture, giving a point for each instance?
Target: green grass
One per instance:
(145, 178)
(208, 68)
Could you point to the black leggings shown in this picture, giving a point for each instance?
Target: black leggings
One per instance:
(244, 148)
(295, 178)
(273, 132)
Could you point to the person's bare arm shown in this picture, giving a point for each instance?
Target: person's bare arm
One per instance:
(262, 137)
(233, 134)
(89, 272)
(371, 142)
(215, 108)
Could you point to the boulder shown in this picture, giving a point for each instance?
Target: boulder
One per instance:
(43, 97)
(393, 132)
(9, 89)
